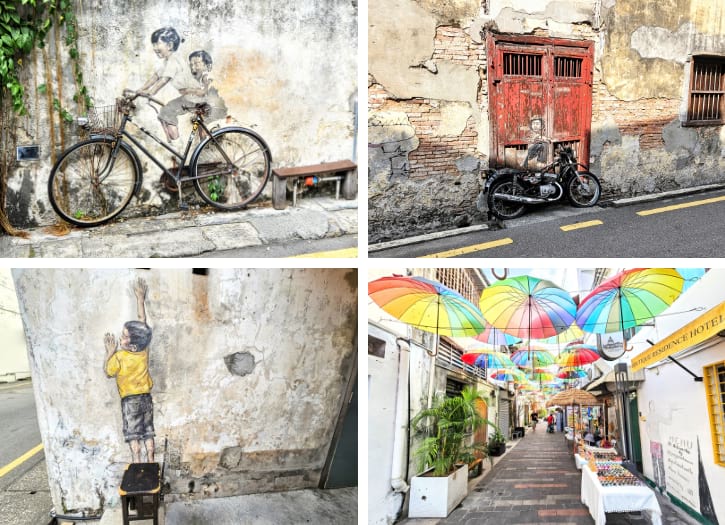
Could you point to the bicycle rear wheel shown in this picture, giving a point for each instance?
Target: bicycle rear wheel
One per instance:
(89, 186)
(231, 168)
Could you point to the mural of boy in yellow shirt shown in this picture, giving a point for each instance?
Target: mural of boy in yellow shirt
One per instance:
(130, 366)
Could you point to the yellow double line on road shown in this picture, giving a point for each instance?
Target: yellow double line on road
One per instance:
(22, 459)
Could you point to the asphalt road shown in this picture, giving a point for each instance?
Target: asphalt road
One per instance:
(641, 230)
(24, 492)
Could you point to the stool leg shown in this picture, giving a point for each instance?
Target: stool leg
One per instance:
(156, 509)
(124, 507)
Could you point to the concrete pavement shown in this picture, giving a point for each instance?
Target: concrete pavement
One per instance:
(537, 482)
(193, 233)
(323, 507)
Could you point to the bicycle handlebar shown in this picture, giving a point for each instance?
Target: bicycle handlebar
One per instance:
(131, 95)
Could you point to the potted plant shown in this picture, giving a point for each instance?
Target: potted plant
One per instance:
(497, 444)
(443, 454)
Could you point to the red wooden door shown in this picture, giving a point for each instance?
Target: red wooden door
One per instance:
(539, 89)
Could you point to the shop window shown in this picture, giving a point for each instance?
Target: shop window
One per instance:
(521, 65)
(715, 390)
(707, 91)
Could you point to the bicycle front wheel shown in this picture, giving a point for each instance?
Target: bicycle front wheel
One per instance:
(89, 185)
(231, 168)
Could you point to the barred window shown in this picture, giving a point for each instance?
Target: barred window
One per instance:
(715, 390)
(707, 91)
(568, 67)
(522, 65)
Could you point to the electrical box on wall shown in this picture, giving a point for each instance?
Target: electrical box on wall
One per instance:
(28, 152)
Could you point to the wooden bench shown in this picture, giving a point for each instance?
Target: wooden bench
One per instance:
(343, 173)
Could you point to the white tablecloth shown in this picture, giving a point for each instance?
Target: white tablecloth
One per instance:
(580, 461)
(602, 499)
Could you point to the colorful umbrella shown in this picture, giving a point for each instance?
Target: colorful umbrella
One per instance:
(427, 305)
(531, 357)
(690, 275)
(571, 373)
(495, 337)
(527, 307)
(487, 359)
(506, 374)
(578, 354)
(629, 299)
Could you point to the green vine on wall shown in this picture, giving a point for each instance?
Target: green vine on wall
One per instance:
(24, 26)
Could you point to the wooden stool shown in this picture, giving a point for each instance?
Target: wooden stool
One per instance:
(141, 482)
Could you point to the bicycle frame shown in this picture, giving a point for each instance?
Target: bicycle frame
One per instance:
(178, 179)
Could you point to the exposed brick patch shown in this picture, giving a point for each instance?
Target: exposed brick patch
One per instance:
(452, 44)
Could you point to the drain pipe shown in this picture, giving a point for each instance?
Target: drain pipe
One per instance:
(400, 438)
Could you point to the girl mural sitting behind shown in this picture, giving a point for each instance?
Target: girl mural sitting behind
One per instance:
(130, 367)
(198, 91)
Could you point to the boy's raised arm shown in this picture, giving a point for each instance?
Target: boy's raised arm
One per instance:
(140, 288)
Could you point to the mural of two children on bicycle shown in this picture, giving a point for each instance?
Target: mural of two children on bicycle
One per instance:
(191, 80)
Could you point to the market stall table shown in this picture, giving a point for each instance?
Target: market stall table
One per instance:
(601, 499)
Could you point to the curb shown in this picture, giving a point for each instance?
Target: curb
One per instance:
(617, 203)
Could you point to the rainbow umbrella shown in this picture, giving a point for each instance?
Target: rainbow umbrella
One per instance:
(529, 357)
(690, 275)
(487, 359)
(427, 305)
(507, 374)
(629, 299)
(571, 373)
(527, 307)
(495, 337)
(577, 354)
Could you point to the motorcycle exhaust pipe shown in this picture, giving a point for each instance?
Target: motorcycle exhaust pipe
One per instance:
(518, 198)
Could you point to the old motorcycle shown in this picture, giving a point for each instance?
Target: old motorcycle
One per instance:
(509, 191)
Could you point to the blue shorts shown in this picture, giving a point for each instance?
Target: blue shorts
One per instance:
(138, 417)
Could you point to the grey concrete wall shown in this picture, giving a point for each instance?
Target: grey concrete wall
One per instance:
(286, 70)
(641, 64)
(262, 422)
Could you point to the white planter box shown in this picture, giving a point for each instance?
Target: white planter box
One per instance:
(436, 497)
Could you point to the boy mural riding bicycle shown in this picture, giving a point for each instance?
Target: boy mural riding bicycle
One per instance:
(130, 366)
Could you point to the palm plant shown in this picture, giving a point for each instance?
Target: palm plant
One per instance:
(446, 424)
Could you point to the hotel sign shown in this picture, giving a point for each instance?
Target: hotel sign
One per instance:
(702, 328)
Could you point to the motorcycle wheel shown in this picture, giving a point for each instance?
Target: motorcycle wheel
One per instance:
(584, 190)
(505, 209)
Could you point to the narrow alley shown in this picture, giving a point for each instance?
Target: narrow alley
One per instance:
(537, 482)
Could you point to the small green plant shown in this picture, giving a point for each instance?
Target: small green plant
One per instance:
(79, 214)
(215, 189)
(446, 425)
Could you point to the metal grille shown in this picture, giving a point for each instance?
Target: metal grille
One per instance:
(449, 358)
(457, 279)
(568, 67)
(715, 391)
(521, 65)
(707, 88)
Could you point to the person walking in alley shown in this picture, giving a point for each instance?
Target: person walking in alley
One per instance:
(534, 421)
(550, 423)
(130, 366)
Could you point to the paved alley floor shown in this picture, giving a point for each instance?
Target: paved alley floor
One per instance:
(537, 482)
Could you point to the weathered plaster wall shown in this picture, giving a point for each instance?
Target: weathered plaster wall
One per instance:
(14, 362)
(638, 142)
(287, 70)
(260, 422)
(417, 182)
